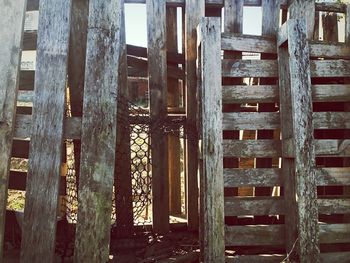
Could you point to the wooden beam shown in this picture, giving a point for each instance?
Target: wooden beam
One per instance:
(44, 171)
(157, 71)
(12, 15)
(211, 185)
(304, 9)
(104, 47)
(194, 10)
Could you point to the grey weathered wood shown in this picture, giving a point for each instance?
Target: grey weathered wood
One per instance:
(340, 257)
(330, 68)
(334, 233)
(306, 192)
(249, 68)
(99, 122)
(255, 235)
(304, 9)
(235, 177)
(246, 43)
(333, 176)
(331, 120)
(252, 148)
(329, 50)
(330, 93)
(194, 10)
(157, 68)
(332, 148)
(251, 121)
(238, 206)
(250, 94)
(334, 205)
(12, 18)
(212, 187)
(47, 133)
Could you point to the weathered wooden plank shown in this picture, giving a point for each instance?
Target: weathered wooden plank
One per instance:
(340, 257)
(304, 9)
(331, 120)
(239, 206)
(329, 50)
(333, 176)
(250, 68)
(300, 79)
(252, 148)
(250, 94)
(332, 147)
(194, 10)
(264, 258)
(104, 47)
(255, 235)
(252, 177)
(247, 43)
(251, 121)
(12, 18)
(47, 133)
(333, 205)
(330, 68)
(334, 233)
(211, 185)
(157, 68)
(330, 93)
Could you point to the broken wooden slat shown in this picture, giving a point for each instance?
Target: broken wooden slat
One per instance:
(12, 18)
(47, 133)
(157, 71)
(255, 235)
(211, 183)
(194, 10)
(249, 68)
(239, 206)
(251, 121)
(252, 148)
(252, 177)
(104, 47)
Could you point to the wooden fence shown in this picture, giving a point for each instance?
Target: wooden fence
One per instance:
(274, 178)
(297, 107)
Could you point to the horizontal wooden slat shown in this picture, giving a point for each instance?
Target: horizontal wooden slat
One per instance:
(254, 235)
(252, 177)
(240, 206)
(251, 121)
(246, 43)
(333, 205)
(265, 258)
(250, 94)
(334, 233)
(332, 148)
(333, 176)
(339, 257)
(331, 120)
(329, 50)
(330, 68)
(249, 68)
(25, 96)
(18, 180)
(252, 148)
(330, 93)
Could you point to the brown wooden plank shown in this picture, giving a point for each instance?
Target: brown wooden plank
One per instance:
(239, 206)
(104, 49)
(300, 79)
(47, 133)
(12, 18)
(251, 121)
(340, 257)
(157, 68)
(194, 10)
(211, 185)
(255, 235)
(249, 68)
(252, 148)
(252, 177)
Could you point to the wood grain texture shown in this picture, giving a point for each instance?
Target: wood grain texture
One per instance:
(211, 185)
(251, 121)
(305, 163)
(246, 43)
(99, 123)
(157, 68)
(12, 18)
(252, 148)
(249, 68)
(194, 10)
(47, 133)
(235, 177)
(264, 258)
(250, 94)
(304, 9)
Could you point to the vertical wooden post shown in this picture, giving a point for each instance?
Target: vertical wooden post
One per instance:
(211, 181)
(103, 61)
(194, 10)
(122, 180)
(173, 101)
(12, 18)
(44, 171)
(303, 201)
(304, 9)
(157, 71)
